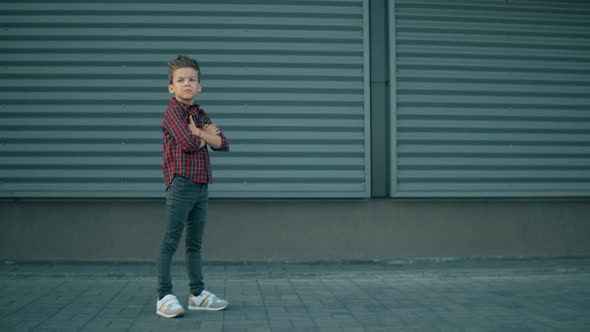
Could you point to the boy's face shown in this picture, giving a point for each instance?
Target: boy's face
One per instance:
(185, 85)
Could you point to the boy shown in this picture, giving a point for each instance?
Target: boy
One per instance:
(187, 172)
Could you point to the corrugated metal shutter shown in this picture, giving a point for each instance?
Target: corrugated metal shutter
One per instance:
(490, 98)
(83, 87)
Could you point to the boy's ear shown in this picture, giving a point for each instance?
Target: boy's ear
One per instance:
(171, 88)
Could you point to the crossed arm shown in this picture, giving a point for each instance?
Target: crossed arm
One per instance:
(191, 138)
(210, 134)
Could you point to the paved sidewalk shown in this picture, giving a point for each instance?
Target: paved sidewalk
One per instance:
(460, 295)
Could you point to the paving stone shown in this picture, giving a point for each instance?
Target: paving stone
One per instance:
(470, 295)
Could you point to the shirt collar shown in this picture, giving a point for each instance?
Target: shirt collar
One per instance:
(184, 107)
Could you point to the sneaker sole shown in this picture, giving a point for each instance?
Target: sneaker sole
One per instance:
(207, 308)
(180, 314)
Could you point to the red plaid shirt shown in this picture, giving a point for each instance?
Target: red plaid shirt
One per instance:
(180, 148)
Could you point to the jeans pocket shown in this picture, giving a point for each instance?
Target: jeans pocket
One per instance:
(204, 191)
(170, 193)
(177, 187)
(181, 180)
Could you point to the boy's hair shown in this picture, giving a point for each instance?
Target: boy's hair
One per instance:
(182, 61)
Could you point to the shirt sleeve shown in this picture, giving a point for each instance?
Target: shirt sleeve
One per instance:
(178, 128)
(224, 142)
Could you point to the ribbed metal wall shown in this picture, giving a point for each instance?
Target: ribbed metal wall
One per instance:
(490, 98)
(83, 86)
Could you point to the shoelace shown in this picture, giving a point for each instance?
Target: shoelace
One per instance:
(208, 298)
(168, 305)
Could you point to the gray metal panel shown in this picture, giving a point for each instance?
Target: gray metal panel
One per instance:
(490, 98)
(83, 86)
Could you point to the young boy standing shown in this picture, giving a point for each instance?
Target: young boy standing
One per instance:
(187, 173)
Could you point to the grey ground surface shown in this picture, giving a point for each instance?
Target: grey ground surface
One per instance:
(425, 295)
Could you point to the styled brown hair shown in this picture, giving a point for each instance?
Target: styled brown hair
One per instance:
(183, 61)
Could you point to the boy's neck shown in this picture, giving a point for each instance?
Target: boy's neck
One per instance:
(188, 104)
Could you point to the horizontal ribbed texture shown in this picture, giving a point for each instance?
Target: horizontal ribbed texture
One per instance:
(492, 98)
(83, 86)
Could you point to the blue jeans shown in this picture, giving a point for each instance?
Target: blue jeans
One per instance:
(187, 203)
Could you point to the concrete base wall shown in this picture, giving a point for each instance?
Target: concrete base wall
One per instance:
(299, 230)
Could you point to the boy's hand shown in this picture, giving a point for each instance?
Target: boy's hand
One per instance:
(211, 129)
(192, 126)
(195, 131)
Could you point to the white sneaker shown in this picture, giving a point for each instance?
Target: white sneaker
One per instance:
(169, 307)
(206, 301)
